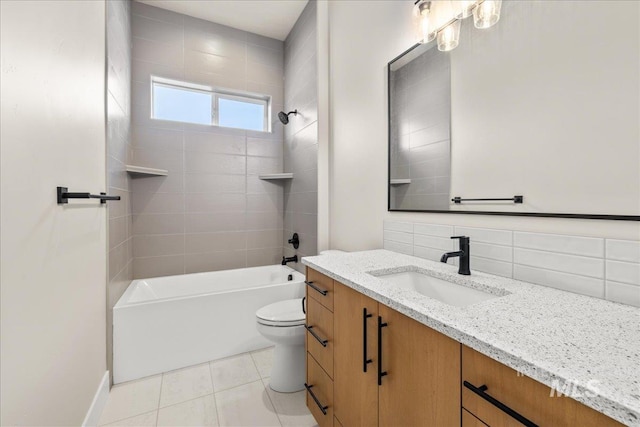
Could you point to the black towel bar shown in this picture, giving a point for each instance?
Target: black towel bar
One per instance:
(63, 196)
(514, 199)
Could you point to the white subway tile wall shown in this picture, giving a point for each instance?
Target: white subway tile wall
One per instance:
(597, 267)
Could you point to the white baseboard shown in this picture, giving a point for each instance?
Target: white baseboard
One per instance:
(99, 401)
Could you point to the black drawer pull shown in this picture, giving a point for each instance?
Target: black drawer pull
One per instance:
(303, 308)
(313, 396)
(365, 360)
(380, 372)
(320, 340)
(314, 287)
(481, 391)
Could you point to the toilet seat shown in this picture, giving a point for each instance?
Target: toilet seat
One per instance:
(282, 313)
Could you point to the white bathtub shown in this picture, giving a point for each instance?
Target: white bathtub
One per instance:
(167, 323)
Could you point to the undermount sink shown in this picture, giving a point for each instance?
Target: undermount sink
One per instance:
(432, 287)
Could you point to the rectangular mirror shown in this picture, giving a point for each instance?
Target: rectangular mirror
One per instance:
(524, 108)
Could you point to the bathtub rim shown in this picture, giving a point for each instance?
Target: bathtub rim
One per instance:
(130, 288)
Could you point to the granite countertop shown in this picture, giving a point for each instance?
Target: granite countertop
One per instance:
(589, 345)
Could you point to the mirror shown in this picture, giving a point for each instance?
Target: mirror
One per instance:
(544, 105)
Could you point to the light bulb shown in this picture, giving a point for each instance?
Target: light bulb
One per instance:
(463, 8)
(449, 37)
(487, 13)
(423, 22)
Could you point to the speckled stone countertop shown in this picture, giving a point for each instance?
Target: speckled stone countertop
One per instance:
(556, 337)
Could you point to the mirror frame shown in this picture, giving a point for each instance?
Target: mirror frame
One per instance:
(471, 212)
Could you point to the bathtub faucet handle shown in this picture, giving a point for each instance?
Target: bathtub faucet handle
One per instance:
(295, 241)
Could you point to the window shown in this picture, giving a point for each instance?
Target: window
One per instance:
(190, 103)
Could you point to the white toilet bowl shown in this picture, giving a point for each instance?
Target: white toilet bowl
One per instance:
(283, 324)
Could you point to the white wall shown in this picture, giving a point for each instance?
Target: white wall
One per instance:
(363, 38)
(53, 257)
(551, 108)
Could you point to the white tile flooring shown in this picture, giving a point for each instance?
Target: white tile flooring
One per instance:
(228, 392)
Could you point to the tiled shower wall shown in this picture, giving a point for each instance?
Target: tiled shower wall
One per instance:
(420, 136)
(301, 135)
(602, 268)
(120, 267)
(211, 212)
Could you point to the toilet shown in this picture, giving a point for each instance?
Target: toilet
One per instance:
(283, 324)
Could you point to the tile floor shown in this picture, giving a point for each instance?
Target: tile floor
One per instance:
(228, 392)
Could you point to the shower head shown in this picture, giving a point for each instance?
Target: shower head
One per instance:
(284, 117)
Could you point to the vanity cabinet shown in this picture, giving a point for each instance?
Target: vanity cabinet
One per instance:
(369, 365)
(411, 379)
(497, 395)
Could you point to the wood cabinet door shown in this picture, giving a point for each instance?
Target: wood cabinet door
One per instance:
(355, 391)
(422, 382)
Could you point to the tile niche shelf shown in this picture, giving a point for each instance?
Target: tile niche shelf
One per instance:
(276, 176)
(141, 171)
(400, 181)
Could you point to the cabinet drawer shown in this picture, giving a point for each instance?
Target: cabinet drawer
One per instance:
(320, 334)
(319, 393)
(320, 288)
(485, 379)
(469, 420)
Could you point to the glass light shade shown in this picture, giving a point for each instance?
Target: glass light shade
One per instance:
(487, 13)
(449, 37)
(423, 22)
(463, 8)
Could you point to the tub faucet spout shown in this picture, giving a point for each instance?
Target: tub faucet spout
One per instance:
(290, 259)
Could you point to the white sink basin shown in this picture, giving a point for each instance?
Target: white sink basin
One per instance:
(446, 292)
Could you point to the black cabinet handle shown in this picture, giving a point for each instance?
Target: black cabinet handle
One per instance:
(380, 372)
(320, 340)
(481, 391)
(313, 396)
(316, 288)
(303, 309)
(365, 360)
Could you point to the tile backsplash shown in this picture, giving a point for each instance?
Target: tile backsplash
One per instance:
(598, 267)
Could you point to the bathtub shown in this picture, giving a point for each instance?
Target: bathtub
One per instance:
(171, 322)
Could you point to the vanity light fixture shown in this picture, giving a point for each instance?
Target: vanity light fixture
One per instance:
(423, 22)
(441, 18)
(487, 13)
(449, 36)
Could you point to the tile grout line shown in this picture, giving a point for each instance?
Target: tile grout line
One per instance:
(127, 418)
(159, 398)
(213, 387)
(264, 386)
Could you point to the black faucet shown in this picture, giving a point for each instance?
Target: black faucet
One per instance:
(463, 253)
(290, 259)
